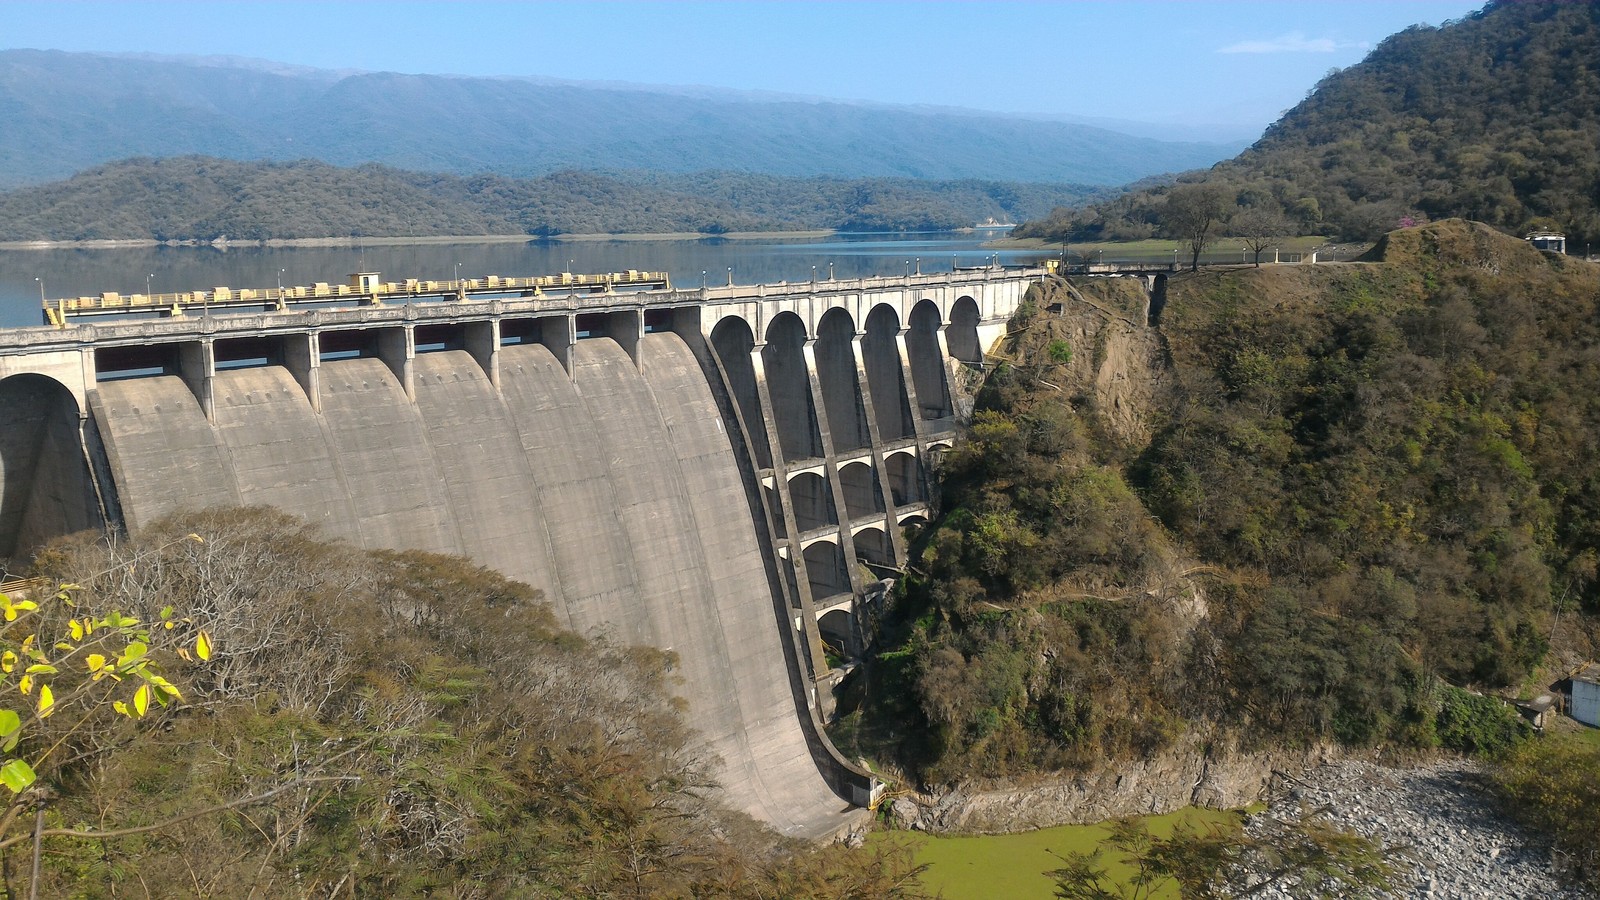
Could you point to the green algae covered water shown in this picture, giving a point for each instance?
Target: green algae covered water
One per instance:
(1013, 866)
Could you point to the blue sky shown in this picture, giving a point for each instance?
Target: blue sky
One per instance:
(1238, 64)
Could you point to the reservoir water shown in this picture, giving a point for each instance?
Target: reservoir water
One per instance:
(90, 272)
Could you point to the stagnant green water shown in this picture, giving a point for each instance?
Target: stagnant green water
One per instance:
(1012, 866)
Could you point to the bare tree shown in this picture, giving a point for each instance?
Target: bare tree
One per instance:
(1192, 216)
(1260, 228)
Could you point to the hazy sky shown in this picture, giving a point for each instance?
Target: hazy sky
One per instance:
(1235, 63)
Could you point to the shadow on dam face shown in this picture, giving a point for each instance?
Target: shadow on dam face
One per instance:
(45, 488)
(613, 488)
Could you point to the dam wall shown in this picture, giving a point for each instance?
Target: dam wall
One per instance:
(724, 477)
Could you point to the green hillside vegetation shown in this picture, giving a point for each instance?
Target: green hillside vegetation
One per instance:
(65, 112)
(409, 725)
(1495, 117)
(203, 198)
(1365, 485)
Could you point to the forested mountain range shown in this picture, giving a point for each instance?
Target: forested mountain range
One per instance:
(64, 112)
(205, 198)
(1495, 117)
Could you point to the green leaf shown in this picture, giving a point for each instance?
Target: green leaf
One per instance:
(10, 729)
(17, 775)
(133, 652)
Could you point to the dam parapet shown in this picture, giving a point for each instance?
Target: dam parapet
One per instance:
(725, 472)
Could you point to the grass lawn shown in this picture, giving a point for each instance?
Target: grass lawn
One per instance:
(1012, 866)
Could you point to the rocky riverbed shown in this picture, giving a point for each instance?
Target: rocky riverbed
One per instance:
(1458, 846)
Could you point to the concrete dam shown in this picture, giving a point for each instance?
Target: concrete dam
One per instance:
(722, 472)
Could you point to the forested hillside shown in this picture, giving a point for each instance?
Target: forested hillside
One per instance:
(203, 198)
(1353, 489)
(65, 112)
(1495, 118)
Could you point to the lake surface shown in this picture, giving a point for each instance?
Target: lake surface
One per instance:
(76, 272)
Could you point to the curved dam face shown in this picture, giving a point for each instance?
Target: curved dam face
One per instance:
(722, 473)
(615, 490)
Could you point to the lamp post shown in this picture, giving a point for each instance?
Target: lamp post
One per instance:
(730, 276)
(569, 266)
(147, 285)
(280, 283)
(41, 290)
(1174, 259)
(830, 270)
(458, 274)
(907, 272)
(813, 274)
(702, 279)
(919, 265)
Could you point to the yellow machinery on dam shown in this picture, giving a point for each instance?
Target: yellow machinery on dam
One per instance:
(363, 287)
(723, 472)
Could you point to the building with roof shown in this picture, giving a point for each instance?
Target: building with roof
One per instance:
(1585, 706)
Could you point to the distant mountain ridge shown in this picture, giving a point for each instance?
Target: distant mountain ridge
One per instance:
(196, 198)
(64, 112)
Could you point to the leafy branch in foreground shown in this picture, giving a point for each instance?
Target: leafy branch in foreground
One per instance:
(40, 658)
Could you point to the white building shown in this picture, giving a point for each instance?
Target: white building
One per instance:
(1554, 241)
(1586, 695)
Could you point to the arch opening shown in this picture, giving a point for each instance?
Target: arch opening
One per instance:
(905, 479)
(732, 341)
(45, 485)
(874, 548)
(880, 354)
(825, 570)
(837, 627)
(813, 501)
(862, 498)
(962, 335)
(789, 386)
(836, 373)
(927, 362)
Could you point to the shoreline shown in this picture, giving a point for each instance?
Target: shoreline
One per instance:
(224, 244)
(144, 243)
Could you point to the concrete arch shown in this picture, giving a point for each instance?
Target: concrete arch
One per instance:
(732, 340)
(927, 361)
(962, 333)
(873, 546)
(813, 502)
(837, 627)
(905, 479)
(901, 451)
(825, 569)
(913, 520)
(862, 498)
(880, 353)
(789, 386)
(45, 486)
(836, 373)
